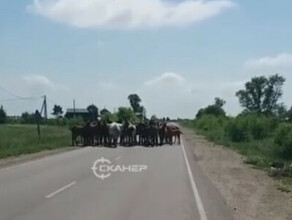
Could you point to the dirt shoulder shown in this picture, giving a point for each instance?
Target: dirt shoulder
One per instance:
(249, 192)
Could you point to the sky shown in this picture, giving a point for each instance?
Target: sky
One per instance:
(177, 55)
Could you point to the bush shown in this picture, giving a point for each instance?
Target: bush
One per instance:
(283, 137)
(211, 126)
(260, 126)
(250, 126)
(75, 121)
(3, 115)
(237, 130)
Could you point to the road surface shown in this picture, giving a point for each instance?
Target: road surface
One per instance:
(64, 187)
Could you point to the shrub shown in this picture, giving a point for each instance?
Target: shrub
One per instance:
(283, 137)
(237, 130)
(260, 126)
(247, 126)
(3, 115)
(75, 121)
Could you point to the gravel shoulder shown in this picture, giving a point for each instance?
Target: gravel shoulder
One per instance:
(249, 192)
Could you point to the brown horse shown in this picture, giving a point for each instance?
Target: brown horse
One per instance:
(172, 131)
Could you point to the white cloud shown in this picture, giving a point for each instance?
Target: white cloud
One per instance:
(281, 60)
(38, 80)
(127, 14)
(166, 79)
(41, 84)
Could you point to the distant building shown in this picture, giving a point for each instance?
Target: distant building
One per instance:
(77, 112)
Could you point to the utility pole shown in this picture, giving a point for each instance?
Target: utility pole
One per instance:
(45, 108)
(74, 108)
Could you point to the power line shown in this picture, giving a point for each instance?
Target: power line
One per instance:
(17, 97)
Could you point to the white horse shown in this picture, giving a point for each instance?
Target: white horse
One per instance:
(115, 130)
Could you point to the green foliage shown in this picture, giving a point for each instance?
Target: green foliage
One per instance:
(3, 116)
(135, 102)
(237, 130)
(74, 121)
(283, 137)
(289, 115)
(109, 117)
(126, 114)
(249, 126)
(211, 126)
(104, 111)
(57, 111)
(261, 94)
(28, 118)
(216, 109)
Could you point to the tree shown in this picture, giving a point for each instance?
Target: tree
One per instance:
(141, 114)
(104, 111)
(3, 116)
(93, 111)
(57, 111)
(215, 109)
(261, 94)
(28, 118)
(108, 117)
(135, 102)
(125, 114)
(219, 102)
(289, 115)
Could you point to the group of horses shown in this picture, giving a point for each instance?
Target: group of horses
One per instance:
(126, 134)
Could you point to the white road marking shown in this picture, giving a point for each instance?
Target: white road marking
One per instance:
(60, 190)
(119, 157)
(198, 199)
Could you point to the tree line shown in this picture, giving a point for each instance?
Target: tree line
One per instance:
(262, 130)
(136, 112)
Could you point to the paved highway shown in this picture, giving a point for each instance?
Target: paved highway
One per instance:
(64, 186)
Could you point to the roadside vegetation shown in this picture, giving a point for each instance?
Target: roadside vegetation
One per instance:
(19, 134)
(21, 139)
(262, 132)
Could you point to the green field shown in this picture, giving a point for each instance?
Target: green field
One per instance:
(23, 139)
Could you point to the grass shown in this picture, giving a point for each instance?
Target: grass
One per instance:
(258, 153)
(23, 139)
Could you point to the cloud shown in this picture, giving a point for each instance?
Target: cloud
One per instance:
(38, 80)
(281, 60)
(166, 79)
(41, 84)
(128, 14)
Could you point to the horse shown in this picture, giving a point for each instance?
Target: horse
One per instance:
(77, 131)
(152, 133)
(114, 131)
(128, 135)
(141, 133)
(172, 131)
(161, 132)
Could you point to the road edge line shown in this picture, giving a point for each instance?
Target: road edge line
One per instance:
(198, 199)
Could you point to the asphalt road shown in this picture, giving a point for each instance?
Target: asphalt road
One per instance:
(64, 187)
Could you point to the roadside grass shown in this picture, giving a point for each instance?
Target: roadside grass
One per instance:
(258, 153)
(21, 139)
